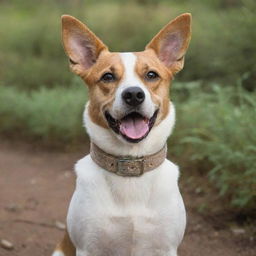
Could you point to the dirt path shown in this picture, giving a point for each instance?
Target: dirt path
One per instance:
(35, 189)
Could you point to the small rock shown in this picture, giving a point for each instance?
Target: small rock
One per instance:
(238, 231)
(60, 225)
(198, 190)
(33, 181)
(67, 174)
(6, 244)
(215, 234)
(197, 227)
(13, 208)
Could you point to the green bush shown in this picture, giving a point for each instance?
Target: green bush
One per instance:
(52, 116)
(222, 48)
(31, 51)
(217, 130)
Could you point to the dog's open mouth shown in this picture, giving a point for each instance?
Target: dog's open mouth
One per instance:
(134, 127)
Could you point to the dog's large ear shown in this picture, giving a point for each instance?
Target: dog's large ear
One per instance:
(171, 43)
(81, 45)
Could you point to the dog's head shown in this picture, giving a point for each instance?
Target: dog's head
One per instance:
(128, 92)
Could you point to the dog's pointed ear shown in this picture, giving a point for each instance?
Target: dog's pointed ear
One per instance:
(171, 43)
(81, 45)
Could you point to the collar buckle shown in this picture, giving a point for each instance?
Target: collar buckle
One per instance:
(130, 167)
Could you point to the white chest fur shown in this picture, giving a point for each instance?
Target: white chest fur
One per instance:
(112, 215)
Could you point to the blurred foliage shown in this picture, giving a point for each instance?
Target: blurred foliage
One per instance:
(50, 116)
(222, 48)
(216, 130)
(42, 101)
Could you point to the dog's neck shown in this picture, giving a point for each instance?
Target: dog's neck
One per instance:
(110, 143)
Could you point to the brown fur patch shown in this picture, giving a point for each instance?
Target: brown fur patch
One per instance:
(102, 94)
(158, 88)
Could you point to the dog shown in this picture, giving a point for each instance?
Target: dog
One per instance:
(127, 201)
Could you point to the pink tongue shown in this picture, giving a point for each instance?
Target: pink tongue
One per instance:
(134, 128)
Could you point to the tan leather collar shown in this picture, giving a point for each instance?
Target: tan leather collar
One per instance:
(127, 166)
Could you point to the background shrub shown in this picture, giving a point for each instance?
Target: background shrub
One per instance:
(43, 102)
(223, 47)
(217, 131)
(52, 116)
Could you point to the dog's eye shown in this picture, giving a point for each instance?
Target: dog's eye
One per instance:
(151, 75)
(108, 77)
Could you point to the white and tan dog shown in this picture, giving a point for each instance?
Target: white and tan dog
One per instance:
(128, 114)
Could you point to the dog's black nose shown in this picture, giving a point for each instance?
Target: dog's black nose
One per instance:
(133, 96)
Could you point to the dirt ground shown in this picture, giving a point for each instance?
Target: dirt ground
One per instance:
(35, 189)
